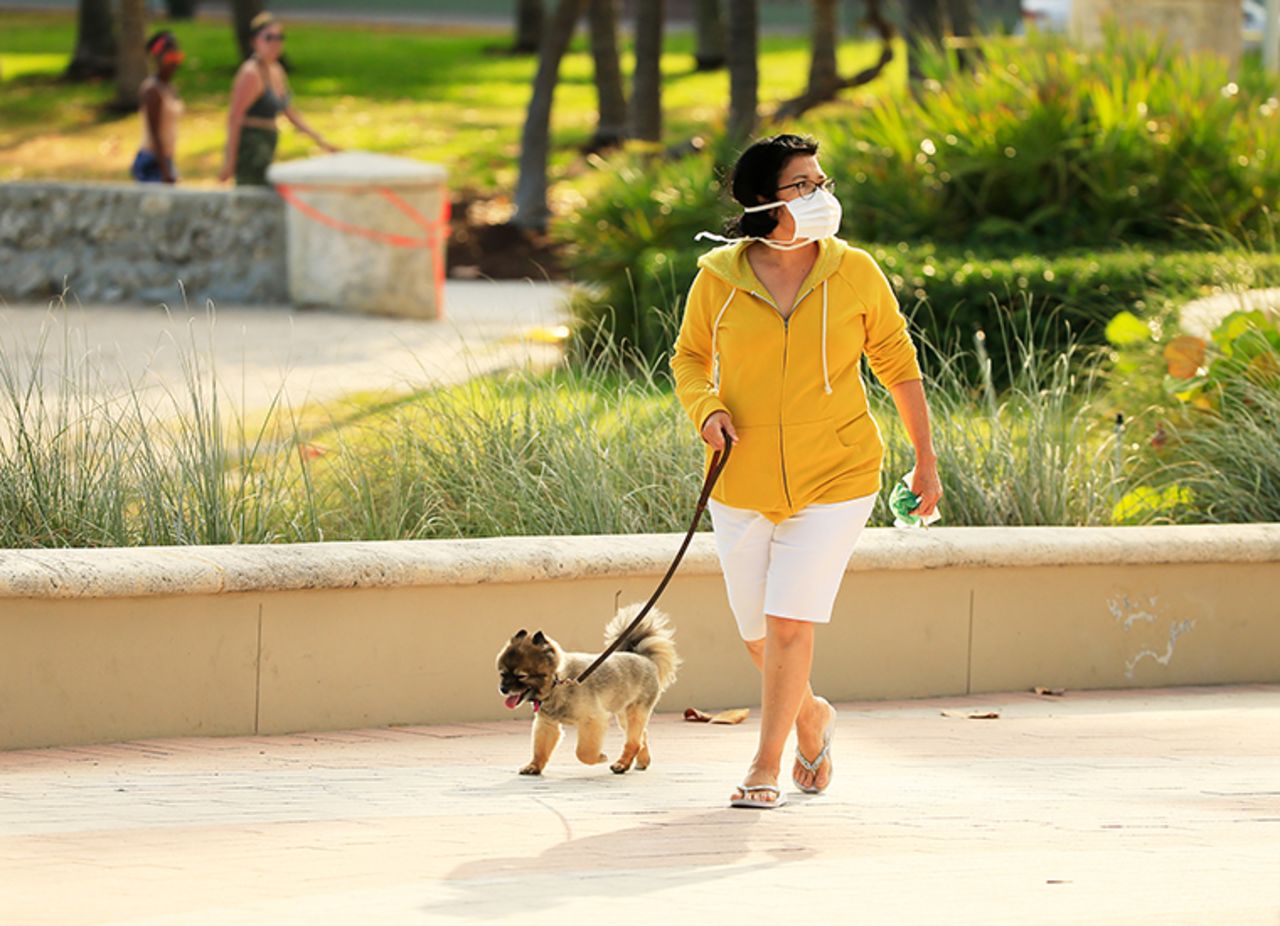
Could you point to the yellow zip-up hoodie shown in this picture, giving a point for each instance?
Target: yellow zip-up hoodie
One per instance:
(792, 385)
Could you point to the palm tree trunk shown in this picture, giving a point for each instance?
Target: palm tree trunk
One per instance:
(529, 16)
(963, 22)
(535, 140)
(824, 73)
(646, 89)
(242, 13)
(924, 27)
(709, 27)
(131, 59)
(744, 70)
(612, 101)
(95, 52)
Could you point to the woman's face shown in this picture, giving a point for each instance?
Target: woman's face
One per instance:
(796, 176)
(269, 42)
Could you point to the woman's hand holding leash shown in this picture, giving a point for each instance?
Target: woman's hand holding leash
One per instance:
(717, 426)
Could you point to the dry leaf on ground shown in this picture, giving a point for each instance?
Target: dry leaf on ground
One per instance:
(970, 715)
(733, 715)
(1050, 692)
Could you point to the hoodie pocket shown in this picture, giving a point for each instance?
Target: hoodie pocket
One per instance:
(862, 433)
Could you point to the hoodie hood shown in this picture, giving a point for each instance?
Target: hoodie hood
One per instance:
(729, 262)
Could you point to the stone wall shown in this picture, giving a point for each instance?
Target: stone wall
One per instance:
(117, 243)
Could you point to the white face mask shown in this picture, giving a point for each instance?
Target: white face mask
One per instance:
(816, 216)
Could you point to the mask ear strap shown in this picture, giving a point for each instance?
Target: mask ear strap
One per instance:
(772, 205)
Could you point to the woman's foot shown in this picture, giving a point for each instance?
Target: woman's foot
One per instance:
(758, 789)
(814, 728)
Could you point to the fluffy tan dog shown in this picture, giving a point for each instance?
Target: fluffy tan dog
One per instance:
(627, 685)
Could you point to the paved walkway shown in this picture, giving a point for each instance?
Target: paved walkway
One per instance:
(1101, 808)
(264, 351)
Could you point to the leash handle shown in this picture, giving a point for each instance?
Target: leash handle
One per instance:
(718, 461)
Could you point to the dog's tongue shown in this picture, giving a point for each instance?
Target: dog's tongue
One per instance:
(512, 701)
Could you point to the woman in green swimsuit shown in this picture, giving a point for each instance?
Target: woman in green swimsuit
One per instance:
(259, 94)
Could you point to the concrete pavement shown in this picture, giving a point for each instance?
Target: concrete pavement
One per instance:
(1103, 808)
(262, 352)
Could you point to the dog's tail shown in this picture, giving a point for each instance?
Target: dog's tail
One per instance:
(654, 639)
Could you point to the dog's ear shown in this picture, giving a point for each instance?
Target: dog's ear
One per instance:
(539, 639)
(520, 636)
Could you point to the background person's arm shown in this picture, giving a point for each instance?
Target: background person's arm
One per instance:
(296, 118)
(153, 112)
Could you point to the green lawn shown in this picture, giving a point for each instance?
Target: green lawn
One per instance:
(436, 95)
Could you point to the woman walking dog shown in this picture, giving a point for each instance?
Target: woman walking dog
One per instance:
(768, 357)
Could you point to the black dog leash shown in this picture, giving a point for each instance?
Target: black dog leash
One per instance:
(718, 461)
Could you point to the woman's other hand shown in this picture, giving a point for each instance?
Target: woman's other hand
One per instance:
(714, 429)
(224, 174)
(926, 485)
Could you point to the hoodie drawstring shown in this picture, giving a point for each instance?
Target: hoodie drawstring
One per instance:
(826, 379)
(715, 357)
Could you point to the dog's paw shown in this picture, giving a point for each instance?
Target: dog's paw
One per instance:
(619, 768)
(531, 769)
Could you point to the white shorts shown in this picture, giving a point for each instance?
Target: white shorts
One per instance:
(792, 569)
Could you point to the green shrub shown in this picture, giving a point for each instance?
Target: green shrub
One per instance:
(1045, 144)
(1217, 457)
(1058, 186)
(633, 245)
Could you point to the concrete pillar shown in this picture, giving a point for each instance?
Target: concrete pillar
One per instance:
(366, 233)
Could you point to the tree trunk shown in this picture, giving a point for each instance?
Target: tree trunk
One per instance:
(131, 59)
(709, 26)
(824, 73)
(646, 88)
(744, 72)
(181, 9)
(963, 24)
(612, 101)
(242, 13)
(535, 140)
(824, 81)
(95, 52)
(529, 16)
(924, 28)
(999, 15)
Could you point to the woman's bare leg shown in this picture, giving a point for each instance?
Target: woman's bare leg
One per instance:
(811, 721)
(784, 660)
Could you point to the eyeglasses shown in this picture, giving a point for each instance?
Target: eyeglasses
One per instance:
(274, 36)
(806, 188)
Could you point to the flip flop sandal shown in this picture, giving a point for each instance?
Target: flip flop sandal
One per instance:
(827, 733)
(756, 803)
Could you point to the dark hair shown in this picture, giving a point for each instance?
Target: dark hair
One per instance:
(755, 179)
(160, 42)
